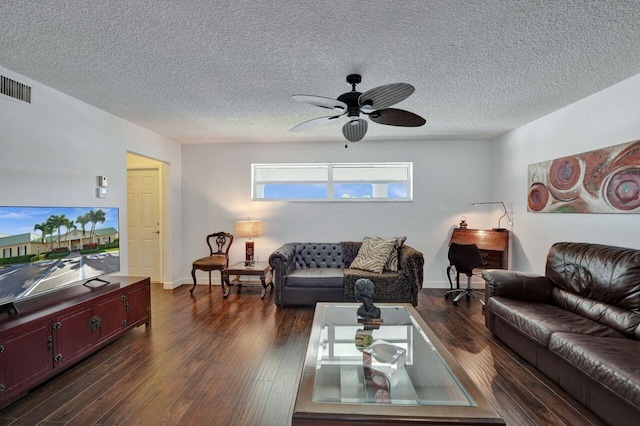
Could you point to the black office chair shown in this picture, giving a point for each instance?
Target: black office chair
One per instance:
(464, 258)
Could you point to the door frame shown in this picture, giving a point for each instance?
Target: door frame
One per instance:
(140, 162)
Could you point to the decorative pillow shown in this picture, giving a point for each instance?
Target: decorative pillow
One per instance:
(392, 262)
(349, 251)
(373, 254)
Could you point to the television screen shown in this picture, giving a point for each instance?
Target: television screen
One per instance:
(43, 249)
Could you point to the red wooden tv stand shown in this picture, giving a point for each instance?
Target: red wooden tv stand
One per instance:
(54, 331)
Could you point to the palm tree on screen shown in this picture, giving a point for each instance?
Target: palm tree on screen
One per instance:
(42, 227)
(82, 220)
(46, 228)
(57, 221)
(68, 223)
(95, 217)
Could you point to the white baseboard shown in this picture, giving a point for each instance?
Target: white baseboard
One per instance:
(479, 285)
(172, 285)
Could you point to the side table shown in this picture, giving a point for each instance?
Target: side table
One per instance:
(259, 269)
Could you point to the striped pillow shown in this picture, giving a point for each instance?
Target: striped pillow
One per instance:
(392, 262)
(373, 254)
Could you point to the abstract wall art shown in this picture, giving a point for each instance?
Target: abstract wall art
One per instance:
(606, 180)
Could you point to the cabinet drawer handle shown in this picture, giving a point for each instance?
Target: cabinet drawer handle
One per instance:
(95, 323)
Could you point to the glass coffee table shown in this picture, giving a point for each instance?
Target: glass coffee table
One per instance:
(393, 370)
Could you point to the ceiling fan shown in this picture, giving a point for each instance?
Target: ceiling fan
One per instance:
(373, 103)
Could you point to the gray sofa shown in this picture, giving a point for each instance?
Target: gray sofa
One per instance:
(579, 324)
(307, 273)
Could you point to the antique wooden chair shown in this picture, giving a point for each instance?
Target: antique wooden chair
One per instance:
(217, 260)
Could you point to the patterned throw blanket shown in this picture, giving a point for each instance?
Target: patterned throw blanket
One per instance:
(405, 283)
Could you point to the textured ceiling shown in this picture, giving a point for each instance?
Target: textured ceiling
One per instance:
(202, 71)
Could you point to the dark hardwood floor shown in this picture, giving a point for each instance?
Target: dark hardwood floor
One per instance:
(206, 360)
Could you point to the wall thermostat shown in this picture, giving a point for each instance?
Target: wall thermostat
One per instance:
(103, 192)
(102, 181)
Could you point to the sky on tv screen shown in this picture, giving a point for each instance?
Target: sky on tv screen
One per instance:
(21, 220)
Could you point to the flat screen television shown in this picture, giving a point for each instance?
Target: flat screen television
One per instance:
(44, 249)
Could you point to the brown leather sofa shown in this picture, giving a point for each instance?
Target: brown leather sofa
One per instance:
(307, 273)
(578, 324)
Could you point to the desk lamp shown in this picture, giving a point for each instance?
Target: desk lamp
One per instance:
(499, 228)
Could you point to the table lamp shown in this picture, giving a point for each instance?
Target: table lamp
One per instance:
(249, 229)
(499, 228)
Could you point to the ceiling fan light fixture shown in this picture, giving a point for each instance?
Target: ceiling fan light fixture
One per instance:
(355, 130)
(374, 103)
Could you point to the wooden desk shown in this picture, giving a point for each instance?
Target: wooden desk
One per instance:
(494, 245)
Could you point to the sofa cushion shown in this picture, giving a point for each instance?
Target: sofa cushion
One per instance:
(598, 272)
(315, 277)
(625, 321)
(209, 263)
(539, 321)
(318, 255)
(610, 361)
(373, 254)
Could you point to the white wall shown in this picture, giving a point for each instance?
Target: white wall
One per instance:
(52, 152)
(448, 176)
(607, 118)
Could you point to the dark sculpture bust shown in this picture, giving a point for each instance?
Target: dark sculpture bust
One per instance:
(364, 294)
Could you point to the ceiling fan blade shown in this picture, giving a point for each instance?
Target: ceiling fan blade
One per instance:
(397, 117)
(313, 123)
(384, 96)
(355, 130)
(320, 101)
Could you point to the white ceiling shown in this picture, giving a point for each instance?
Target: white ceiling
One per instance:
(201, 71)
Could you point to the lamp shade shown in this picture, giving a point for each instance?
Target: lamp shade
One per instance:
(249, 229)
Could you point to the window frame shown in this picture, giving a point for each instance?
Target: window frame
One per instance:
(257, 186)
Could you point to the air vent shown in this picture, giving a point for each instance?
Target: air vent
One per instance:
(15, 89)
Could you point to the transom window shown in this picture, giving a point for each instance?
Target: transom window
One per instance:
(341, 182)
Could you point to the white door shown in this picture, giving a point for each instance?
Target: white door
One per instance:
(143, 223)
